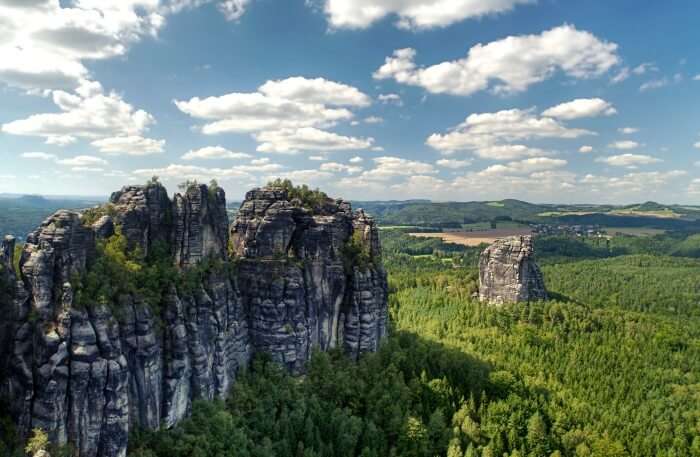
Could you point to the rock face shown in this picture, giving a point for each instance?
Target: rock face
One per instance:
(310, 296)
(89, 373)
(200, 225)
(508, 272)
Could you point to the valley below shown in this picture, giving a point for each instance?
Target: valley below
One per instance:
(607, 365)
(473, 238)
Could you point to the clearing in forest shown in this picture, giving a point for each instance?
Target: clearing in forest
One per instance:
(475, 238)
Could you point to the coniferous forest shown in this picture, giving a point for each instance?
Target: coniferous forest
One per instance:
(609, 367)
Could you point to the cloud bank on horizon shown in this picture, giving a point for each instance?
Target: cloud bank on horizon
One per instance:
(368, 99)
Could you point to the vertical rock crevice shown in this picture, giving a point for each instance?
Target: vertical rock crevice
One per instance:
(508, 272)
(87, 373)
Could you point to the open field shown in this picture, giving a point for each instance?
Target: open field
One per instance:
(634, 231)
(658, 214)
(566, 213)
(665, 213)
(475, 238)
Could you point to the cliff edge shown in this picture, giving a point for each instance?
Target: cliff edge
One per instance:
(508, 272)
(121, 315)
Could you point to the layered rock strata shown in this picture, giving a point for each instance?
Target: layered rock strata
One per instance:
(87, 374)
(508, 272)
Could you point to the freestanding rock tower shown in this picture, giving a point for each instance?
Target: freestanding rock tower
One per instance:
(508, 272)
(88, 369)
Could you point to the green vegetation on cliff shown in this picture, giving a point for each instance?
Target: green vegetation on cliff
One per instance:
(311, 199)
(118, 270)
(609, 367)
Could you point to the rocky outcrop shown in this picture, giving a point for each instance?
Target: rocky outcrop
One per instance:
(508, 272)
(144, 214)
(8, 281)
(200, 225)
(311, 295)
(103, 227)
(89, 370)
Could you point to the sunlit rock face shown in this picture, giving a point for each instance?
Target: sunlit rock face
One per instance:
(296, 281)
(89, 373)
(508, 272)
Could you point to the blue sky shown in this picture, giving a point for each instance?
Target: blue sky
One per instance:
(548, 100)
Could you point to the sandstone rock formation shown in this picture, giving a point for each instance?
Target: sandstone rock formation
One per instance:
(87, 371)
(508, 272)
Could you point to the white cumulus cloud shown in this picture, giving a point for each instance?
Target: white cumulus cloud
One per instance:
(44, 42)
(581, 107)
(233, 10)
(39, 155)
(290, 103)
(335, 167)
(412, 14)
(623, 145)
(390, 99)
(628, 160)
(133, 145)
(213, 152)
(286, 116)
(291, 141)
(182, 172)
(494, 135)
(654, 84)
(508, 65)
(82, 161)
(524, 166)
(88, 113)
(388, 167)
(628, 130)
(317, 90)
(373, 120)
(452, 163)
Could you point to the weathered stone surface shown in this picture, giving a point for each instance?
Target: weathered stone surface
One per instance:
(88, 374)
(144, 214)
(264, 225)
(8, 280)
(201, 225)
(508, 272)
(7, 252)
(104, 227)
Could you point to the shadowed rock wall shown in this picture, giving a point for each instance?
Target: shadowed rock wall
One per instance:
(508, 272)
(88, 374)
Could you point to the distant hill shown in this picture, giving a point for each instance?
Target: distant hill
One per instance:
(424, 213)
(20, 214)
(457, 214)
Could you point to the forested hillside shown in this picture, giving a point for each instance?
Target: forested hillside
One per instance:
(21, 214)
(609, 367)
(457, 214)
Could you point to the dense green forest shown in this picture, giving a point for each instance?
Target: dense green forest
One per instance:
(609, 367)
